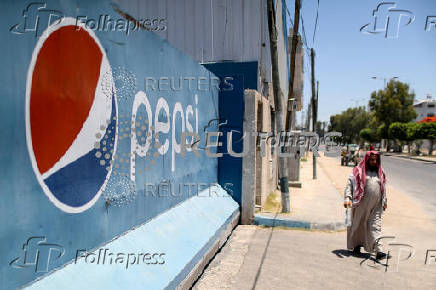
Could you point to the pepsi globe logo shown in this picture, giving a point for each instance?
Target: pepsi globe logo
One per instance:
(71, 115)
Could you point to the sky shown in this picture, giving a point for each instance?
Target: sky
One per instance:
(347, 59)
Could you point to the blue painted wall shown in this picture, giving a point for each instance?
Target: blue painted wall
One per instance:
(241, 76)
(25, 211)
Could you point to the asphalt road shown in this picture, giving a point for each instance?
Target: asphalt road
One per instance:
(416, 178)
(413, 177)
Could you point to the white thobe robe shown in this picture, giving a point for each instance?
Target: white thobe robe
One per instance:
(365, 229)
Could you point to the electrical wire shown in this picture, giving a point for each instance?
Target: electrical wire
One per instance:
(316, 24)
(289, 14)
(304, 31)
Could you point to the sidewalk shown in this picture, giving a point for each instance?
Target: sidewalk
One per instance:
(274, 258)
(283, 258)
(317, 205)
(404, 214)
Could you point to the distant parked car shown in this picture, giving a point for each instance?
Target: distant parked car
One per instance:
(377, 146)
(350, 153)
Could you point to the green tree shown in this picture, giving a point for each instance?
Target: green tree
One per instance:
(404, 132)
(428, 131)
(413, 134)
(392, 104)
(373, 122)
(368, 134)
(350, 122)
(382, 132)
(419, 135)
(398, 131)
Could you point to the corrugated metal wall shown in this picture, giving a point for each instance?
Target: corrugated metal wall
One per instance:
(219, 30)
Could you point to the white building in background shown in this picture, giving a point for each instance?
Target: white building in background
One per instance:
(425, 108)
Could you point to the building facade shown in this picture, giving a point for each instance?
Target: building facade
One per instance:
(231, 39)
(425, 108)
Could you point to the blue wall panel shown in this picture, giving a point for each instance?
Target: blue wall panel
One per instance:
(27, 209)
(242, 76)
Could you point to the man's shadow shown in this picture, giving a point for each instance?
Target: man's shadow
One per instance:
(346, 253)
(364, 256)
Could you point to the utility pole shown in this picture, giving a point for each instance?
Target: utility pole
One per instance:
(280, 108)
(291, 98)
(294, 161)
(314, 105)
(309, 116)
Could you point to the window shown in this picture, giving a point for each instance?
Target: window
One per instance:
(430, 106)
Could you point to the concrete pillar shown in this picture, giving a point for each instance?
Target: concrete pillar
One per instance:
(248, 161)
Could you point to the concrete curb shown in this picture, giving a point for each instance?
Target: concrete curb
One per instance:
(211, 252)
(411, 157)
(262, 220)
(295, 184)
(182, 233)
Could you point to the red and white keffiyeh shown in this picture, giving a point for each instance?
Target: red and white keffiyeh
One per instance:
(358, 178)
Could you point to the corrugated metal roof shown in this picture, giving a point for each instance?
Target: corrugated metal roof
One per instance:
(219, 30)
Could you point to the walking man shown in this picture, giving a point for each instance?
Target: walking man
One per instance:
(365, 192)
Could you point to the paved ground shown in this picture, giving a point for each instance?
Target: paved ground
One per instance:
(416, 178)
(317, 205)
(405, 215)
(271, 258)
(276, 258)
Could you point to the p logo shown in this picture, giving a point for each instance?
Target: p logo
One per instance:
(71, 115)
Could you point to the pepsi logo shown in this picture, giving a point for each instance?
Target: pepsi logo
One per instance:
(71, 116)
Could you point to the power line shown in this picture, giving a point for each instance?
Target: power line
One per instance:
(304, 32)
(316, 24)
(289, 14)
